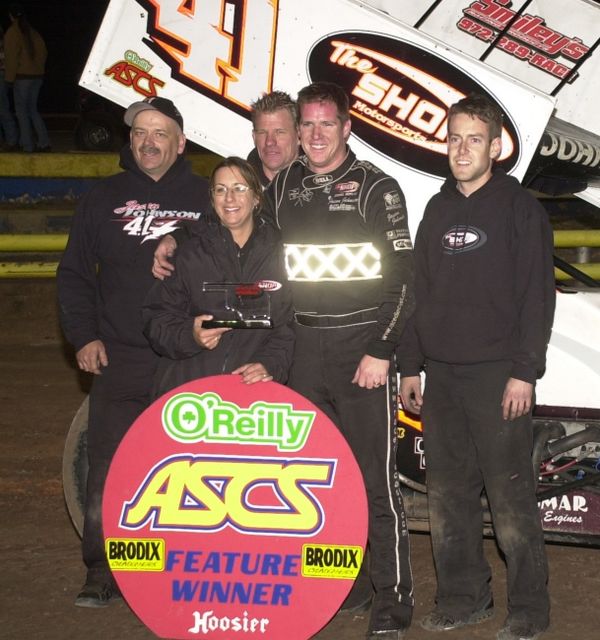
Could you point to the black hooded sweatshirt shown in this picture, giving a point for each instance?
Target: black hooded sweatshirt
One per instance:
(485, 286)
(105, 271)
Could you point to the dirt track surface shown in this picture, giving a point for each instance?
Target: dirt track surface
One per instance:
(41, 568)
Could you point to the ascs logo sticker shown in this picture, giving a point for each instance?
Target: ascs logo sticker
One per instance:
(399, 97)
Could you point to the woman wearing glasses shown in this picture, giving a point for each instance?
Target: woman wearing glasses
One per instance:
(235, 246)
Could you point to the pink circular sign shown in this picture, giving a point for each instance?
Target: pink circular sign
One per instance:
(234, 510)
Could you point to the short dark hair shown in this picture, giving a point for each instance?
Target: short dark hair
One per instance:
(274, 101)
(325, 92)
(248, 173)
(478, 106)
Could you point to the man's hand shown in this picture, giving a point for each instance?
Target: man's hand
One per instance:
(371, 372)
(253, 372)
(91, 357)
(207, 338)
(516, 401)
(410, 393)
(161, 266)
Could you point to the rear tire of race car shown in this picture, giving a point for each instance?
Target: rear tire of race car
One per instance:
(98, 132)
(75, 466)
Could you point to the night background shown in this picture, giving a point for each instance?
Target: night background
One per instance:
(69, 28)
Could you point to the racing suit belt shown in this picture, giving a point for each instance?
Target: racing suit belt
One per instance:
(329, 321)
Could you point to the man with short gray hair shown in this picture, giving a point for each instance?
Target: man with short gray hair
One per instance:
(103, 278)
(275, 134)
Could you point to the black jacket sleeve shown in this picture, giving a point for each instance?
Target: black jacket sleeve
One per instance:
(385, 212)
(76, 278)
(535, 287)
(168, 323)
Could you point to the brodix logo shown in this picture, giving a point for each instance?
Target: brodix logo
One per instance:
(399, 97)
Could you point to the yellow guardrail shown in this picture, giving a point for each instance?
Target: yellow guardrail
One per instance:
(52, 243)
(81, 164)
(33, 243)
(48, 270)
(57, 242)
(577, 238)
(28, 269)
(591, 269)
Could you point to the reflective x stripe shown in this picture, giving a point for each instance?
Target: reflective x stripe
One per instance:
(337, 262)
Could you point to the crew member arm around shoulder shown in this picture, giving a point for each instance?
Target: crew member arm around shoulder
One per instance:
(163, 263)
(77, 289)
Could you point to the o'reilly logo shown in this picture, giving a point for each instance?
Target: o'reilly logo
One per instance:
(191, 417)
(399, 97)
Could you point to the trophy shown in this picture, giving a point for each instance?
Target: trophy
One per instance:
(243, 305)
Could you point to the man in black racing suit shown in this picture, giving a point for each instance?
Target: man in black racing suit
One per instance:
(349, 262)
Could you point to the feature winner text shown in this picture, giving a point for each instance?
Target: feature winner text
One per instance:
(256, 578)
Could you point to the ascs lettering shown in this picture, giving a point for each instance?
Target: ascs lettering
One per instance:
(262, 496)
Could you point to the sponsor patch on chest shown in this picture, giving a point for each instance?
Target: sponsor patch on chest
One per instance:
(463, 238)
(346, 188)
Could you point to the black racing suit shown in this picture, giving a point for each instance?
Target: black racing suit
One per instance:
(349, 262)
(102, 279)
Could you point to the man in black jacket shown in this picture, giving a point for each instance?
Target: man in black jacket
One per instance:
(485, 304)
(103, 278)
(349, 262)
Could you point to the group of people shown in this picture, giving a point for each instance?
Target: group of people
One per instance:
(474, 314)
(22, 65)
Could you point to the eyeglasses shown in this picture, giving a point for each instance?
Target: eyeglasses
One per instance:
(220, 190)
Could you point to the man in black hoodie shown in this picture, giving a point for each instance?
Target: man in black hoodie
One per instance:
(103, 278)
(485, 304)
